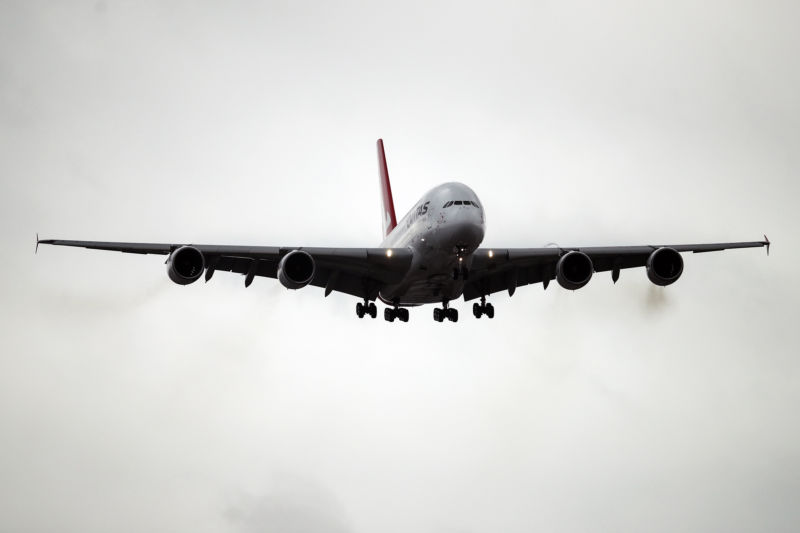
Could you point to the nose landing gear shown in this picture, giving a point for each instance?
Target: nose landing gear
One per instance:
(461, 271)
(483, 309)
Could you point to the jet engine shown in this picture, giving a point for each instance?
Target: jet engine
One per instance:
(185, 265)
(664, 266)
(574, 270)
(296, 269)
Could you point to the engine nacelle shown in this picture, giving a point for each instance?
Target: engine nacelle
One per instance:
(185, 265)
(296, 269)
(664, 266)
(574, 270)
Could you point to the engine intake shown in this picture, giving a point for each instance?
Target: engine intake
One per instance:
(296, 269)
(664, 266)
(574, 270)
(185, 265)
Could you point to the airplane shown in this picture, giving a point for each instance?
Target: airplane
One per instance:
(432, 255)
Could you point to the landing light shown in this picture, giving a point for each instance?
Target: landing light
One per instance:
(389, 253)
(491, 253)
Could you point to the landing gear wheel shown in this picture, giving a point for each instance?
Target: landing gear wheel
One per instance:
(452, 314)
(402, 314)
(372, 310)
(360, 310)
(388, 315)
(480, 309)
(438, 314)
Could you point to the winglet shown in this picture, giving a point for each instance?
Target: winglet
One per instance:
(37, 244)
(766, 243)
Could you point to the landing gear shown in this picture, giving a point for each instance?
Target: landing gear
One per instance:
(440, 313)
(366, 308)
(390, 314)
(483, 309)
(462, 273)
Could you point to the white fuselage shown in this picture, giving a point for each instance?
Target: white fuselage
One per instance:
(442, 240)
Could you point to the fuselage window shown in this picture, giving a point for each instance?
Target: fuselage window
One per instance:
(476, 205)
(448, 204)
(457, 202)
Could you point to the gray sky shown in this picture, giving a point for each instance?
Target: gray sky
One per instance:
(128, 403)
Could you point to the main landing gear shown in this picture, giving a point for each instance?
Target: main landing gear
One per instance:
(389, 314)
(483, 309)
(440, 313)
(367, 308)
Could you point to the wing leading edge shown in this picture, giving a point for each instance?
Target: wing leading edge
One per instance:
(359, 272)
(362, 272)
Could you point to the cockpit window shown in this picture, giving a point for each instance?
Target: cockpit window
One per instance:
(460, 202)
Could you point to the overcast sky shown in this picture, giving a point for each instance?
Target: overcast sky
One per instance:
(130, 404)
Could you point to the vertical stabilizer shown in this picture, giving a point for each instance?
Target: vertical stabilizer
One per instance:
(389, 218)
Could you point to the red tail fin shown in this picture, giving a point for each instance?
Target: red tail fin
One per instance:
(389, 218)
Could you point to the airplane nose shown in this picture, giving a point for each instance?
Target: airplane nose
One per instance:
(463, 229)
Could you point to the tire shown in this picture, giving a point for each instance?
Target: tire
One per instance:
(402, 314)
(437, 314)
(476, 310)
(452, 315)
(388, 315)
(373, 310)
(490, 310)
(360, 310)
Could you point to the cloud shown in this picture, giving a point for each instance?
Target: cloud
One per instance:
(294, 505)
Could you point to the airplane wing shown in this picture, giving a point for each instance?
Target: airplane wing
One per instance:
(361, 272)
(494, 270)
